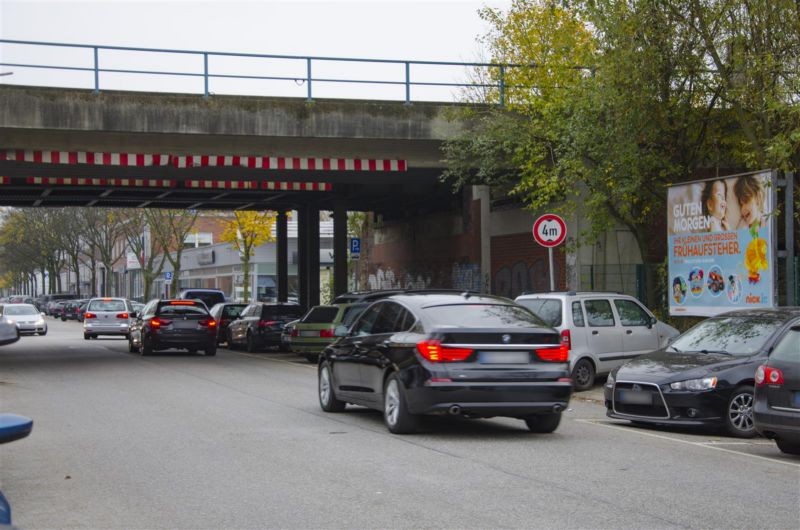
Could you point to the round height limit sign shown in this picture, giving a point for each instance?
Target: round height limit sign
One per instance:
(550, 230)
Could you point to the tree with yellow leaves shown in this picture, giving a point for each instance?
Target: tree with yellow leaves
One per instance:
(245, 231)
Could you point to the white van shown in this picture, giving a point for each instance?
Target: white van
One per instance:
(603, 330)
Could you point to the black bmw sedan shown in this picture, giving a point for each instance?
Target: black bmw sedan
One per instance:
(704, 377)
(447, 353)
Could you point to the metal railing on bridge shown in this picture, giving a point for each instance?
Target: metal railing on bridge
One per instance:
(127, 68)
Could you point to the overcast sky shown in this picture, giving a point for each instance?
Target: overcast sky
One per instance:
(443, 30)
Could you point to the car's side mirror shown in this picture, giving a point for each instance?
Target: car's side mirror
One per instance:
(340, 331)
(652, 322)
(43, 314)
(135, 314)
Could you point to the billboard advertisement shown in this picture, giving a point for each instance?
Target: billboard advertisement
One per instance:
(720, 245)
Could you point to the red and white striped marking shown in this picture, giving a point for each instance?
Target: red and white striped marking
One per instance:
(255, 185)
(85, 157)
(222, 184)
(81, 181)
(291, 163)
(187, 161)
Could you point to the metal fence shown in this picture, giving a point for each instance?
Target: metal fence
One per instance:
(145, 69)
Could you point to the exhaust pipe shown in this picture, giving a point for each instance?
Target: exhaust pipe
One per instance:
(558, 408)
(455, 410)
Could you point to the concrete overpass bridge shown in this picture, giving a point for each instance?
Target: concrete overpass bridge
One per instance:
(68, 147)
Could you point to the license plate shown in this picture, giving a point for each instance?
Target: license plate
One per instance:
(796, 400)
(504, 357)
(634, 398)
(309, 333)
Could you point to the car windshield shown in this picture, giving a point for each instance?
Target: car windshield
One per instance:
(483, 316)
(548, 309)
(182, 309)
(736, 335)
(21, 310)
(106, 305)
(321, 315)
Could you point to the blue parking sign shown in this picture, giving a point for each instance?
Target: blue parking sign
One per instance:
(355, 246)
(168, 275)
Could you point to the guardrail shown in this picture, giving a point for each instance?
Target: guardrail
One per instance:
(103, 62)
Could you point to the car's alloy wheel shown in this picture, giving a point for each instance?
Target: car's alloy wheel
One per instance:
(395, 408)
(327, 396)
(583, 375)
(739, 416)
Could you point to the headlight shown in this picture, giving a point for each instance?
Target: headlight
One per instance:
(705, 383)
(40, 322)
(610, 380)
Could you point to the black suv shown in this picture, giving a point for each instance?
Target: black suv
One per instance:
(260, 325)
(476, 356)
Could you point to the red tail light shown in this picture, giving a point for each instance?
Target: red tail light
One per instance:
(89, 316)
(566, 339)
(158, 322)
(767, 375)
(558, 354)
(434, 351)
(123, 315)
(267, 323)
(295, 332)
(209, 323)
(326, 333)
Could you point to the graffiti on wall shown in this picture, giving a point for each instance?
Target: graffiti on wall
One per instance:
(461, 275)
(519, 278)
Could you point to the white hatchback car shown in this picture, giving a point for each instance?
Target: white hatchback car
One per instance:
(26, 317)
(107, 316)
(602, 330)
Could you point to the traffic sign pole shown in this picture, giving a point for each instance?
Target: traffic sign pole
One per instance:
(550, 230)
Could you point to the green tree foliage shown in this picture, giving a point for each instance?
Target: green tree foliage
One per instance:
(609, 102)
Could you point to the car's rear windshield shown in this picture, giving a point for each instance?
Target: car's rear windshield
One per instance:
(106, 305)
(321, 315)
(20, 310)
(351, 313)
(548, 309)
(182, 309)
(233, 311)
(736, 335)
(284, 311)
(483, 316)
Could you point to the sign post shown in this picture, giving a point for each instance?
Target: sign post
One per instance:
(167, 282)
(550, 230)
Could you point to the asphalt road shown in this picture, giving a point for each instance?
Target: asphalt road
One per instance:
(239, 441)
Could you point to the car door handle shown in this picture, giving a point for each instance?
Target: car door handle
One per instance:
(628, 331)
(595, 332)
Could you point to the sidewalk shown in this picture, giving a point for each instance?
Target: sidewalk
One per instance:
(593, 395)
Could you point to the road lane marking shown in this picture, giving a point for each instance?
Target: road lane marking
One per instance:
(706, 445)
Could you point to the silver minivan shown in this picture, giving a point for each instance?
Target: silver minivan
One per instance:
(107, 316)
(602, 330)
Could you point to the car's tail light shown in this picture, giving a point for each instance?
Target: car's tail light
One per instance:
(767, 375)
(89, 316)
(326, 333)
(158, 322)
(566, 339)
(209, 323)
(267, 323)
(557, 354)
(123, 315)
(434, 351)
(295, 332)
(182, 302)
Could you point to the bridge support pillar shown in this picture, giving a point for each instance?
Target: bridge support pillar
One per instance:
(282, 256)
(308, 255)
(339, 249)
